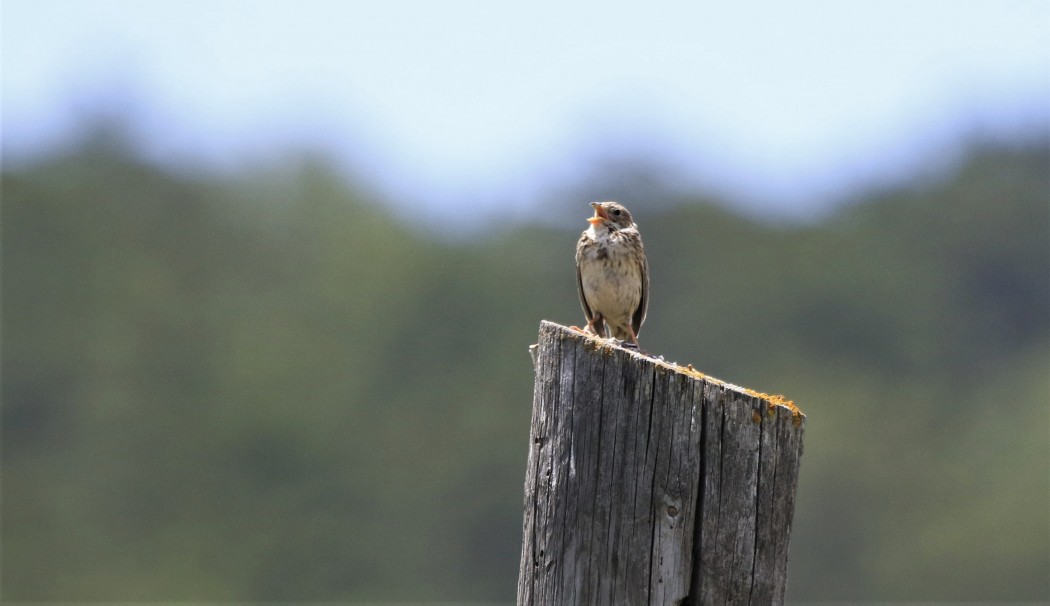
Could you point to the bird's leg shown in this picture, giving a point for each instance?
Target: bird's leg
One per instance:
(634, 337)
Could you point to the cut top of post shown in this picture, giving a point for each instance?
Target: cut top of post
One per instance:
(611, 345)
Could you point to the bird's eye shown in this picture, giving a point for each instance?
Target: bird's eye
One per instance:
(616, 212)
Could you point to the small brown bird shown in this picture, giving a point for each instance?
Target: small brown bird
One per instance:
(612, 273)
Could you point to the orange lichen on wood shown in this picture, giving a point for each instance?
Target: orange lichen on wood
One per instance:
(607, 346)
(772, 400)
(778, 400)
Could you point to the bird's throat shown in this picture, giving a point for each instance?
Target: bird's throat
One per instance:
(601, 233)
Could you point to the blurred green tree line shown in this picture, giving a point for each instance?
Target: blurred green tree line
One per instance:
(265, 387)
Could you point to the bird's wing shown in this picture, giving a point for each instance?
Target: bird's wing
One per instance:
(579, 287)
(643, 304)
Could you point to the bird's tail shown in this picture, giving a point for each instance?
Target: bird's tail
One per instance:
(598, 326)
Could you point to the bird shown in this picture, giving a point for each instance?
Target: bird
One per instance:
(612, 274)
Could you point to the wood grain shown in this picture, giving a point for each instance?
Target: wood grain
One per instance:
(648, 483)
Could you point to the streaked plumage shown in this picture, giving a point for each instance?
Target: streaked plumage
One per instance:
(612, 273)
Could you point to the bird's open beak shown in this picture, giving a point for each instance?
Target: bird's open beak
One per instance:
(599, 214)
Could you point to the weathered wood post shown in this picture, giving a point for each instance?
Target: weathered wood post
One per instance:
(649, 483)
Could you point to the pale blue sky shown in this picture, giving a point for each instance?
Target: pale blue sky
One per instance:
(483, 106)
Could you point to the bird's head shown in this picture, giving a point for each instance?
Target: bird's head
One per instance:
(611, 214)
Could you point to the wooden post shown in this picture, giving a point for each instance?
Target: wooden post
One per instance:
(650, 483)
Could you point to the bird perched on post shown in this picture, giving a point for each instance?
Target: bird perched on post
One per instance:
(612, 273)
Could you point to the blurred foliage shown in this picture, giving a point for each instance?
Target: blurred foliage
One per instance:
(262, 387)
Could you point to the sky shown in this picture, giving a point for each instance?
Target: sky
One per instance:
(478, 108)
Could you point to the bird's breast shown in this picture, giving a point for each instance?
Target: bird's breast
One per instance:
(611, 280)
